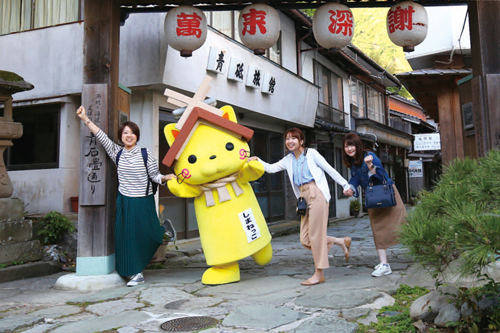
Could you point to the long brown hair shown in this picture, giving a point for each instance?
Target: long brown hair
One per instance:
(352, 139)
(296, 133)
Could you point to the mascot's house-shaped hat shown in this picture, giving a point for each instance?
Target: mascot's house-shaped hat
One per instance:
(197, 116)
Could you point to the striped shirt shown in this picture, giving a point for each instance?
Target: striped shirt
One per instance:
(132, 175)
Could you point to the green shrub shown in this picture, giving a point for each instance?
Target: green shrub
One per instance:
(460, 221)
(459, 218)
(53, 227)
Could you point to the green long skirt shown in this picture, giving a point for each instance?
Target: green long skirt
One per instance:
(138, 233)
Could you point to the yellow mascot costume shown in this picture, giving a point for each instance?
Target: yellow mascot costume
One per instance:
(212, 167)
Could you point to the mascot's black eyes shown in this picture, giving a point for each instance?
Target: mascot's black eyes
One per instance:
(192, 159)
(229, 146)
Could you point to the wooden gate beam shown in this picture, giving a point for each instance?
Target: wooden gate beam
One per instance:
(485, 48)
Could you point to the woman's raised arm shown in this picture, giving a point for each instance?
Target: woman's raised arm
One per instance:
(83, 116)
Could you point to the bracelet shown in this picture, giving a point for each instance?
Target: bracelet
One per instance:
(87, 122)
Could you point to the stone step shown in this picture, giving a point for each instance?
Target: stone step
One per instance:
(21, 252)
(11, 209)
(15, 231)
(30, 270)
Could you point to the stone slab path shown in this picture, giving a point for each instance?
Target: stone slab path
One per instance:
(267, 299)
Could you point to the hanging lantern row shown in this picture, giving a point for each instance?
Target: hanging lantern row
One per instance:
(259, 27)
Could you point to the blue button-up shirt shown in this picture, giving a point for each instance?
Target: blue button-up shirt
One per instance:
(301, 173)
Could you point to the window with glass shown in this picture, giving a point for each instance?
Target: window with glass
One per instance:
(20, 15)
(357, 96)
(330, 84)
(375, 103)
(226, 22)
(38, 148)
(331, 104)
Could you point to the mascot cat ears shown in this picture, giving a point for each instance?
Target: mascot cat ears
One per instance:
(171, 132)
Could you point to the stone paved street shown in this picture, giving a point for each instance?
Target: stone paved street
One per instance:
(267, 299)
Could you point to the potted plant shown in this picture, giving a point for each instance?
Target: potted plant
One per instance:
(354, 207)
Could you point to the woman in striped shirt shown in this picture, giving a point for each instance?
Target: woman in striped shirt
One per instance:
(138, 233)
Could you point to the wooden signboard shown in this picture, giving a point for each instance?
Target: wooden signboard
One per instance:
(468, 116)
(92, 153)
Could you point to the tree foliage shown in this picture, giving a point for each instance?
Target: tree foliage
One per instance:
(459, 219)
(370, 36)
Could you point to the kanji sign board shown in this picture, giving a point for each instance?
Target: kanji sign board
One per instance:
(430, 141)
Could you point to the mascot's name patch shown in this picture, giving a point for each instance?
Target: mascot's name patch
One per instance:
(249, 225)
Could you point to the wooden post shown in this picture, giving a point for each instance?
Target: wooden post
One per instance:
(451, 123)
(484, 36)
(97, 210)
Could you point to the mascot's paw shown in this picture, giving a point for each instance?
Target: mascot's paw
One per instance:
(221, 274)
(264, 256)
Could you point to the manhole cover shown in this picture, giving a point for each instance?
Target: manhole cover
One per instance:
(188, 324)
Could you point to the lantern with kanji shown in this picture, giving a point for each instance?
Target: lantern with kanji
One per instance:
(333, 25)
(259, 27)
(407, 25)
(185, 29)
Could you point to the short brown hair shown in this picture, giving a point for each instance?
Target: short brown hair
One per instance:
(133, 126)
(296, 133)
(352, 139)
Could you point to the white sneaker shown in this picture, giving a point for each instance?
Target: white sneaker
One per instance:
(135, 280)
(382, 269)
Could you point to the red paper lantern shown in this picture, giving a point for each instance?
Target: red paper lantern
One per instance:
(333, 25)
(259, 27)
(185, 29)
(407, 25)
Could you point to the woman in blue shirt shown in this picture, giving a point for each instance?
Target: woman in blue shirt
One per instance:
(365, 167)
(306, 170)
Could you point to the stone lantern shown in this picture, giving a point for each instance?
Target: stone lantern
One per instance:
(16, 242)
(10, 83)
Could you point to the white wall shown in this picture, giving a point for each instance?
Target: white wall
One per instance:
(50, 58)
(288, 44)
(445, 26)
(142, 49)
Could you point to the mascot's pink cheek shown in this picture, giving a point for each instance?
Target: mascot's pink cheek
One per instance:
(185, 173)
(243, 154)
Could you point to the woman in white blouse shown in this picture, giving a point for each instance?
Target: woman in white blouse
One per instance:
(306, 170)
(138, 233)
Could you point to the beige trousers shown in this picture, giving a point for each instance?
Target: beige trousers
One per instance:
(313, 225)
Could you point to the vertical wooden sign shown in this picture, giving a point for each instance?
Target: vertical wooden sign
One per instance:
(92, 153)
